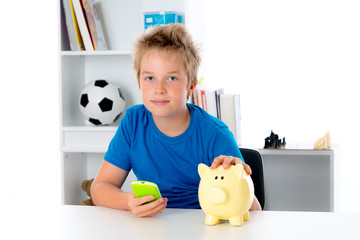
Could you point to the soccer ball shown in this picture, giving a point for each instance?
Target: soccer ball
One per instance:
(101, 102)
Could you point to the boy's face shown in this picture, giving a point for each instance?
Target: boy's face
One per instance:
(163, 83)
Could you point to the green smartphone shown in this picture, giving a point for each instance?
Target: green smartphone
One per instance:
(144, 188)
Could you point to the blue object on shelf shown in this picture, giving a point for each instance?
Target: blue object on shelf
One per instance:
(154, 19)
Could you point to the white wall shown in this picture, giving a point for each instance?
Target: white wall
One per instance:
(29, 122)
(296, 65)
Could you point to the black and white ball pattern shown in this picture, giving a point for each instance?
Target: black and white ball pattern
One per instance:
(102, 102)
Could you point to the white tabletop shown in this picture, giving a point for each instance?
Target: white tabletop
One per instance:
(81, 222)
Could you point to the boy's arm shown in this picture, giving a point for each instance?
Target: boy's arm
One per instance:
(255, 206)
(105, 191)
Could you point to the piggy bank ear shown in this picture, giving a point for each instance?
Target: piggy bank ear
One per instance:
(203, 170)
(239, 170)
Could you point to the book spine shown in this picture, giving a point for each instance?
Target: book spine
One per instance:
(94, 25)
(80, 17)
(75, 39)
(210, 96)
(203, 99)
(237, 118)
(230, 114)
(77, 30)
(218, 92)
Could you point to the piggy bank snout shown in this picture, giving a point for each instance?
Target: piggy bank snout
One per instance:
(217, 195)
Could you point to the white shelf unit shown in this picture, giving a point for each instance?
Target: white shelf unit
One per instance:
(300, 179)
(82, 144)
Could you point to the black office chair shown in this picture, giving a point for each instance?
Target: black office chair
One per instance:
(254, 160)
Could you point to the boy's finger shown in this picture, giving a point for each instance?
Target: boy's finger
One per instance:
(132, 194)
(146, 199)
(153, 208)
(136, 202)
(217, 161)
(238, 161)
(247, 168)
(227, 161)
(157, 210)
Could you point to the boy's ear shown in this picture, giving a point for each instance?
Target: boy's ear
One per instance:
(191, 89)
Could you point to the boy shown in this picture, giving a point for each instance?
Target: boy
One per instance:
(164, 139)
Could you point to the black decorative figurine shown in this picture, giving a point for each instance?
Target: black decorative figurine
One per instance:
(273, 141)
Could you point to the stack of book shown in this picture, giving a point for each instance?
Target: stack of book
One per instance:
(225, 107)
(83, 25)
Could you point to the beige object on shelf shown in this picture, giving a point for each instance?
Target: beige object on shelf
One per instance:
(323, 143)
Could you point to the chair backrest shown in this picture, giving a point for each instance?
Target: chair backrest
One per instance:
(254, 160)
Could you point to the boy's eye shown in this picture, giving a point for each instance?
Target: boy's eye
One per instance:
(172, 78)
(149, 78)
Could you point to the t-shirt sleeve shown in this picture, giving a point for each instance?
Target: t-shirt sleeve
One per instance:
(224, 144)
(119, 147)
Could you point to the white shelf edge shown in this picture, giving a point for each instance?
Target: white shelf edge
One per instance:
(90, 129)
(87, 149)
(96, 53)
(295, 152)
(292, 149)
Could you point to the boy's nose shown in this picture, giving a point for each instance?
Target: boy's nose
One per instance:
(160, 88)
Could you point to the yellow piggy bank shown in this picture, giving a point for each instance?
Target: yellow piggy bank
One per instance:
(225, 194)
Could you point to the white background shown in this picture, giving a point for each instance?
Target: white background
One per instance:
(29, 103)
(294, 63)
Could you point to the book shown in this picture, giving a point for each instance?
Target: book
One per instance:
(194, 97)
(213, 101)
(199, 98)
(218, 93)
(230, 114)
(202, 99)
(94, 25)
(208, 99)
(80, 17)
(75, 39)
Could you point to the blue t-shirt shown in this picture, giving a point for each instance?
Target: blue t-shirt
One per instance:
(170, 162)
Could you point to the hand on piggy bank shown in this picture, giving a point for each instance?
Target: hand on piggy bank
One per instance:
(225, 194)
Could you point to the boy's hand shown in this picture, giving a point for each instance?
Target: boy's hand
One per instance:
(137, 206)
(226, 161)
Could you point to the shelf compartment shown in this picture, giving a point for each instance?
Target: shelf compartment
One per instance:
(299, 180)
(114, 16)
(78, 70)
(87, 139)
(77, 167)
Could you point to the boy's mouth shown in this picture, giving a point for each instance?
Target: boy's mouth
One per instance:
(160, 102)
